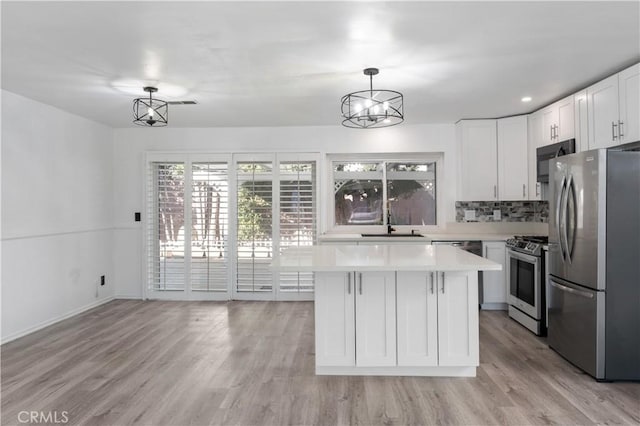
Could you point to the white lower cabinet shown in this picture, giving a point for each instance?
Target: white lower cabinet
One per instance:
(494, 283)
(417, 303)
(383, 322)
(355, 313)
(458, 343)
(375, 319)
(335, 319)
(436, 316)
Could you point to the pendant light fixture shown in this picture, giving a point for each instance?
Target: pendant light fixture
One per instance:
(368, 109)
(150, 112)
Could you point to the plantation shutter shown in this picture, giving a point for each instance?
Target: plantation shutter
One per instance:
(297, 217)
(254, 226)
(210, 226)
(166, 243)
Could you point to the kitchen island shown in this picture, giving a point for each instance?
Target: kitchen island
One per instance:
(390, 309)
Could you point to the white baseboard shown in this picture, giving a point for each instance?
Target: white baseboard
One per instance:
(127, 297)
(435, 371)
(52, 321)
(494, 307)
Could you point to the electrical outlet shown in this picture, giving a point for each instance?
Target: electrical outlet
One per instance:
(497, 215)
(102, 279)
(136, 216)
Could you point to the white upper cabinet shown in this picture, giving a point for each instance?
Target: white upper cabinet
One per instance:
(478, 160)
(613, 106)
(557, 121)
(581, 121)
(493, 159)
(629, 94)
(513, 178)
(602, 108)
(533, 142)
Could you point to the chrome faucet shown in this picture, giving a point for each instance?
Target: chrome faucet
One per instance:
(390, 228)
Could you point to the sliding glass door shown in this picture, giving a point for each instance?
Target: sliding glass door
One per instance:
(241, 212)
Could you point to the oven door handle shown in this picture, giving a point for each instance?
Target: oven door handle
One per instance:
(523, 257)
(571, 290)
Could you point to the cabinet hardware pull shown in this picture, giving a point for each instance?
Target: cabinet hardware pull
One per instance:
(620, 134)
(442, 276)
(524, 191)
(537, 188)
(495, 191)
(360, 282)
(348, 282)
(557, 127)
(551, 132)
(613, 131)
(431, 274)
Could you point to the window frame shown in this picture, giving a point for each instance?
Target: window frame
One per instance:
(329, 211)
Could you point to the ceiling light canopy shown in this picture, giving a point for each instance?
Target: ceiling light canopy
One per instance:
(150, 112)
(372, 108)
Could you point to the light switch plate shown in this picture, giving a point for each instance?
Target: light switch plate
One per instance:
(469, 215)
(497, 215)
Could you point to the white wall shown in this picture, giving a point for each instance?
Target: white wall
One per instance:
(57, 214)
(131, 144)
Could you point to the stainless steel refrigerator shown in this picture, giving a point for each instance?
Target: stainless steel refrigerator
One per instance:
(594, 262)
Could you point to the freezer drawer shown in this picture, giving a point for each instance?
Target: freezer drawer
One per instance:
(576, 325)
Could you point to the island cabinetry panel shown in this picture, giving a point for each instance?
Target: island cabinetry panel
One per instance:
(382, 322)
(417, 302)
(355, 314)
(458, 342)
(335, 319)
(375, 319)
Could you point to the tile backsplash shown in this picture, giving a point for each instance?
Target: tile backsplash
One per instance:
(510, 211)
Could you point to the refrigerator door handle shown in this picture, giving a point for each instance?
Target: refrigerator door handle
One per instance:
(561, 287)
(571, 238)
(565, 206)
(557, 213)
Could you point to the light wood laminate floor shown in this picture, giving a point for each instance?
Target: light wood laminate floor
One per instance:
(252, 363)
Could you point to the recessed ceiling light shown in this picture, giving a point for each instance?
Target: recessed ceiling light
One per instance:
(526, 99)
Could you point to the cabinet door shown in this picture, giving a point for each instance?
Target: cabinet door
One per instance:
(581, 121)
(494, 282)
(478, 160)
(512, 158)
(565, 129)
(534, 140)
(458, 318)
(549, 123)
(335, 319)
(417, 318)
(602, 108)
(375, 319)
(629, 95)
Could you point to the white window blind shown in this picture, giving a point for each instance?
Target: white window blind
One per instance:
(209, 222)
(254, 226)
(297, 217)
(166, 242)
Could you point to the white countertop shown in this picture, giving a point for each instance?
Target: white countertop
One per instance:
(328, 238)
(382, 257)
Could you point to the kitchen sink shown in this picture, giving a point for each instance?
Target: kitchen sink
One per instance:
(392, 235)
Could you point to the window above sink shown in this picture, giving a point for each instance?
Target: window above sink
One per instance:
(369, 193)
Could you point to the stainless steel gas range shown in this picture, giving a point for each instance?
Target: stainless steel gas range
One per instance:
(526, 280)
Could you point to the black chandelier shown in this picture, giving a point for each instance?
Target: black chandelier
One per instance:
(149, 111)
(368, 109)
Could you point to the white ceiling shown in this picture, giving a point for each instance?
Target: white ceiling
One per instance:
(289, 63)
